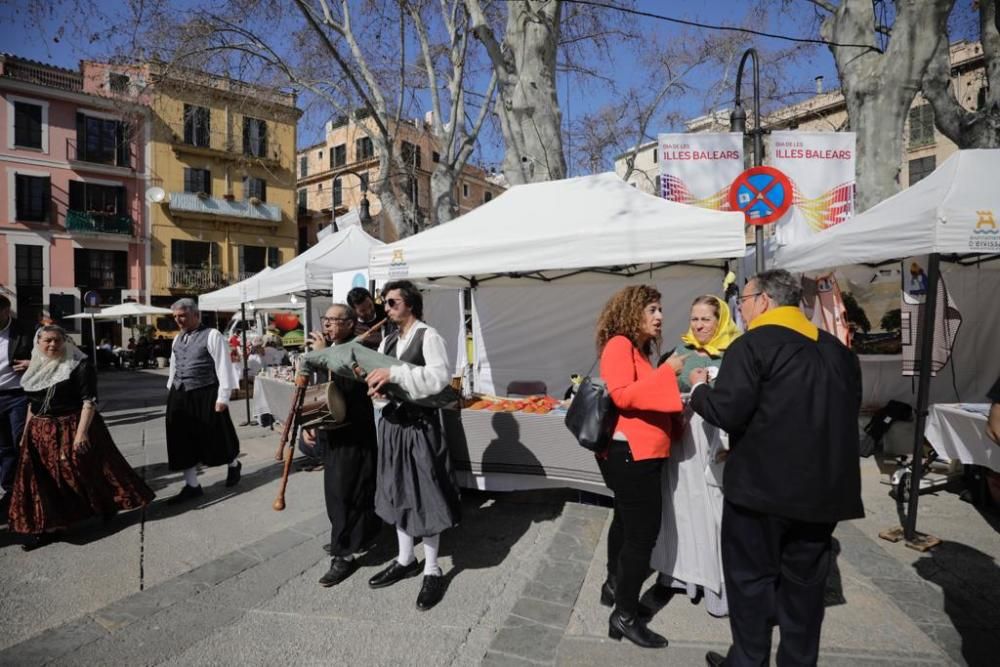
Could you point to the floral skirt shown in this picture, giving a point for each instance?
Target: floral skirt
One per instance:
(57, 486)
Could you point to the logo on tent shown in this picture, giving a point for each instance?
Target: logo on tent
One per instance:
(986, 235)
(398, 268)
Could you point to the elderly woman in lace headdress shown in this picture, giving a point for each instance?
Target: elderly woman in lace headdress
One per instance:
(69, 468)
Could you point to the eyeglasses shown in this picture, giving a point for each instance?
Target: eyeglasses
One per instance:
(337, 320)
(744, 297)
(392, 303)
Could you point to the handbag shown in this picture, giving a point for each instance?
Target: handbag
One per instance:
(592, 415)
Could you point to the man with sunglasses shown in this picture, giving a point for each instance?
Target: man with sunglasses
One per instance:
(788, 395)
(416, 489)
(349, 457)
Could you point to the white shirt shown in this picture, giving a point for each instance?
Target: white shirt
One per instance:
(224, 370)
(8, 378)
(421, 381)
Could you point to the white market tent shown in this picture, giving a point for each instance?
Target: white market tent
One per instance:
(568, 246)
(954, 212)
(233, 296)
(562, 229)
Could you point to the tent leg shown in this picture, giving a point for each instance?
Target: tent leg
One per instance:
(923, 390)
(307, 319)
(246, 383)
(93, 340)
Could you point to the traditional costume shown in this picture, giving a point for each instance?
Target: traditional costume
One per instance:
(687, 551)
(201, 375)
(58, 484)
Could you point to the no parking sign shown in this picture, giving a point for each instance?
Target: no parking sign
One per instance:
(764, 194)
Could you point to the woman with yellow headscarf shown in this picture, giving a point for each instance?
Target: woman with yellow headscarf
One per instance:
(712, 330)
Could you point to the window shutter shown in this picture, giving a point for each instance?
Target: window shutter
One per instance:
(187, 179)
(47, 199)
(262, 139)
(121, 144)
(206, 181)
(120, 208)
(247, 150)
(272, 257)
(81, 137)
(263, 189)
(20, 196)
(188, 124)
(76, 195)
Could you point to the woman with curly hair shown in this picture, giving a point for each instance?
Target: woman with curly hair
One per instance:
(647, 399)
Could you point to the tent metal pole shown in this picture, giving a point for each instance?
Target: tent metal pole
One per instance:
(246, 358)
(923, 390)
(93, 340)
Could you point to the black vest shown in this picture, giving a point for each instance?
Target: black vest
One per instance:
(414, 353)
(194, 367)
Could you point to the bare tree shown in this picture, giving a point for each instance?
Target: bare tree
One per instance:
(879, 86)
(968, 128)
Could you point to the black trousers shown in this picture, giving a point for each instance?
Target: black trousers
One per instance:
(349, 491)
(635, 523)
(775, 571)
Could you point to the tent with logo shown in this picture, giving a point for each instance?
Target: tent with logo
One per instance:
(543, 258)
(952, 215)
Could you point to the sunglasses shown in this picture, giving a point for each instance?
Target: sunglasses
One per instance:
(392, 303)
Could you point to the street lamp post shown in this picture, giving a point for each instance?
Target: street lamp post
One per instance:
(738, 123)
(363, 215)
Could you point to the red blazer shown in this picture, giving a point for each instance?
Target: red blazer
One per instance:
(646, 398)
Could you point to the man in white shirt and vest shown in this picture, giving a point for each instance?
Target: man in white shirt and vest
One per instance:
(202, 378)
(16, 341)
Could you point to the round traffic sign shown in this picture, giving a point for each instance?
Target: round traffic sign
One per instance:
(763, 194)
(92, 299)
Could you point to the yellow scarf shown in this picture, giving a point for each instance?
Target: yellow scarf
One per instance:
(724, 334)
(789, 317)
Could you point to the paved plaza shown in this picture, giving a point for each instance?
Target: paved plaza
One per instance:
(226, 580)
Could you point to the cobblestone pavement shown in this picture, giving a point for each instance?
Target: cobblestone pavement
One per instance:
(227, 580)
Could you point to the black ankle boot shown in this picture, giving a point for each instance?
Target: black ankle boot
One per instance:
(632, 628)
(608, 600)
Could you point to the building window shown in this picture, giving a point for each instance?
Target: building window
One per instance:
(197, 180)
(101, 140)
(29, 269)
(363, 149)
(303, 166)
(27, 125)
(193, 254)
(100, 269)
(197, 125)
(92, 198)
(254, 187)
(254, 137)
(319, 156)
(410, 154)
(921, 167)
(32, 198)
(412, 190)
(338, 192)
(921, 126)
(273, 257)
(465, 190)
(487, 197)
(338, 156)
(118, 83)
(435, 157)
(253, 259)
(302, 201)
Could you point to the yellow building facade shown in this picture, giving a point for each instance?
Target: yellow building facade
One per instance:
(222, 154)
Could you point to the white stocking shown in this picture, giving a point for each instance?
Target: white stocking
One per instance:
(431, 546)
(405, 556)
(191, 476)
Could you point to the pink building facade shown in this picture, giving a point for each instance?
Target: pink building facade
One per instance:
(72, 182)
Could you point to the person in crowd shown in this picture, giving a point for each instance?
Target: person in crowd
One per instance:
(201, 381)
(369, 314)
(993, 420)
(131, 345)
(788, 395)
(274, 353)
(415, 490)
(710, 333)
(647, 400)
(16, 341)
(349, 455)
(696, 496)
(69, 468)
(142, 350)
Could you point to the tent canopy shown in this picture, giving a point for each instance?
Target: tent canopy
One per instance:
(231, 296)
(955, 209)
(313, 270)
(560, 229)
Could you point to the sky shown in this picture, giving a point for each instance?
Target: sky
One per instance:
(49, 41)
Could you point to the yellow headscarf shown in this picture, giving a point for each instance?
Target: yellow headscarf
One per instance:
(724, 335)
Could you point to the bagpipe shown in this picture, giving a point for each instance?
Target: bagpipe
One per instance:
(323, 405)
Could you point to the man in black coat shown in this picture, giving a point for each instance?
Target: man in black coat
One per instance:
(788, 394)
(16, 341)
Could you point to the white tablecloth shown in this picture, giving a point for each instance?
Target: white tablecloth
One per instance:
(273, 397)
(961, 434)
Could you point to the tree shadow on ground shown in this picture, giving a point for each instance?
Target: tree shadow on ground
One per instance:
(970, 580)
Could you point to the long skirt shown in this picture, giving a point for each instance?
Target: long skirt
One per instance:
(196, 433)
(349, 490)
(415, 488)
(57, 486)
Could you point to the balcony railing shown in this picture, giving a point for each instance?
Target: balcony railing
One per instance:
(198, 280)
(42, 75)
(99, 223)
(219, 141)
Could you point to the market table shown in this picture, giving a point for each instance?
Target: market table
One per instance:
(958, 432)
(272, 397)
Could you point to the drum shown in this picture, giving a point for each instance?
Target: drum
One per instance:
(323, 406)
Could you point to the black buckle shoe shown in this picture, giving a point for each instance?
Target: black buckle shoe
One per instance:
(395, 572)
(187, 493)
(431, 592)
(713, 659)
(340, 569)
(233, 474)
(621, 625)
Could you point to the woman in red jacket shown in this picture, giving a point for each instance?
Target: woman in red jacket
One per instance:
(647, 400)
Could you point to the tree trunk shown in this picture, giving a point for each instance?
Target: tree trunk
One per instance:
(880, 87)
(967, 128)
(525, 64)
